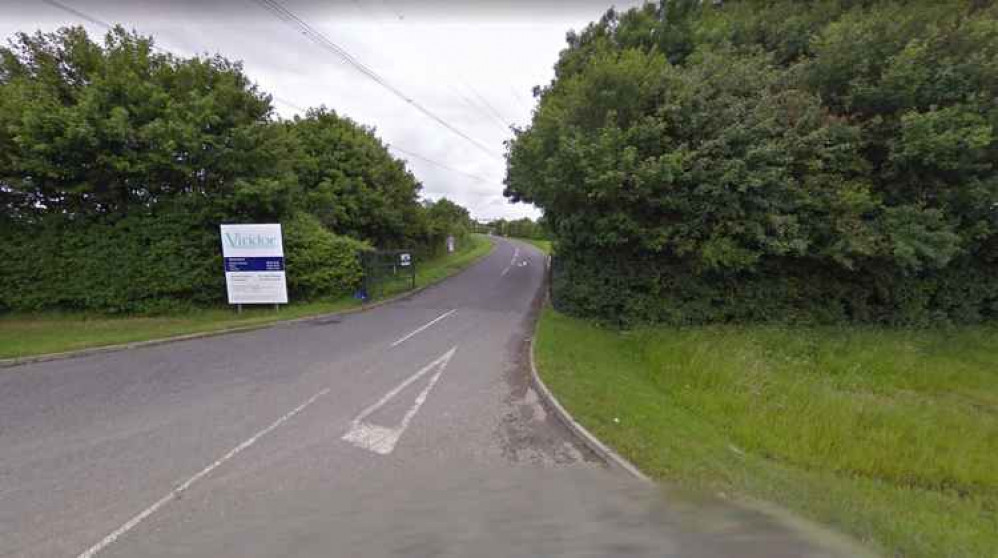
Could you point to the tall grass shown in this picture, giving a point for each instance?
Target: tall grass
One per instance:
(891, 435)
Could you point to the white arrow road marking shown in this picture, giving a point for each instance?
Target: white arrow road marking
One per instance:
(175, 493)
(512, 262)
(382, 439)
(421, 328)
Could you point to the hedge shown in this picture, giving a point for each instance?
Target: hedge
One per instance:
(155, 262)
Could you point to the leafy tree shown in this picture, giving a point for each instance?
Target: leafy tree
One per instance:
(353, 184)
(772, 159)
(88, 129)
(519, 228)
(118, 162)
(447, 217)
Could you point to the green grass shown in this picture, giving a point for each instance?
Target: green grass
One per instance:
(33, 334)
(888, 435)
(542, 245)
(441, 268)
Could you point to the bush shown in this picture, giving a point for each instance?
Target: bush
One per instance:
(138, 263)
(118, 162)
(156, 262)
(319, 263)
(772, 160)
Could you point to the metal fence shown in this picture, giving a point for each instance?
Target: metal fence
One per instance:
(387, 272)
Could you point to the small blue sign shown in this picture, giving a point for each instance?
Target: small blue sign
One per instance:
(273, 263)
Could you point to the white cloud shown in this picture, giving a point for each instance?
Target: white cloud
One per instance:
(442, 54)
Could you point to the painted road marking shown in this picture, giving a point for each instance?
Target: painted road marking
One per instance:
(423, 327)
(382, 439)
(512, 262)
(176, 492)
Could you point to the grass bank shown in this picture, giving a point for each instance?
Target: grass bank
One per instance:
(890, 436)
(542, 245)
(33, 334)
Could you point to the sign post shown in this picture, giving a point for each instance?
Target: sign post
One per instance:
(405, 260)
(254, 264)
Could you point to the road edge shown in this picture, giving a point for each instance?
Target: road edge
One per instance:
(588, 439)
(823, 535)
(611, 458)
(49, 357)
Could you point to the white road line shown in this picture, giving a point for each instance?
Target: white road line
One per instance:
(382, 439)
(423, 327)
(133, 522)
(512, 262)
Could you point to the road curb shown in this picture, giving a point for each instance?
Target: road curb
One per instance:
(613, 459)
(20, 361)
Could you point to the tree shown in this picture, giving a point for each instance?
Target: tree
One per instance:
(770, 160)
(88, 129)
(352, 182)
(119, 162)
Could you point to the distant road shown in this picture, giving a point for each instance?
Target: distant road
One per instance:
(407, 430)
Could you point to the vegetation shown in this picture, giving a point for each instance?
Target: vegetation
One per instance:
(446, 219)
(889, 435)
(543, 245)
(118, 162)
(758, 160)
(520, 228)
(53, 332)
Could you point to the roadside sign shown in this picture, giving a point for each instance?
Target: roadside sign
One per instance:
(254, 264)
(450, 244)
(387, 271)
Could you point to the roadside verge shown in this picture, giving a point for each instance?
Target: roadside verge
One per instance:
(610, 457)
(449, 270)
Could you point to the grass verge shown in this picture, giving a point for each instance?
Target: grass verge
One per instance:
(542, 245)
(888, 435)
(34, 334)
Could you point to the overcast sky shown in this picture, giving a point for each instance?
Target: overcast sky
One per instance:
(472, 63)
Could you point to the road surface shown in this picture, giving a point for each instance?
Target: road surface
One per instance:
(407, 430)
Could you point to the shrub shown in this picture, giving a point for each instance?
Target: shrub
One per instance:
(772, 160)
(319, 263)
(138, 263)
(156, 262)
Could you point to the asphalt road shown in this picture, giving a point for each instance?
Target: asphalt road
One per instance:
(408, 430)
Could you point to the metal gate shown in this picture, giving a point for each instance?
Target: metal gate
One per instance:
(387, 272)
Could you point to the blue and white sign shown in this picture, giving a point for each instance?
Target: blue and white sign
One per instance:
(254, 264)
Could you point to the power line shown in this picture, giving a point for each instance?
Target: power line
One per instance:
(101, 23)
(519, 99)
(320, 39)
(78, 13)
(441, 165)
(503, 127)
(495, 113)
(488, 117)
(289, 103)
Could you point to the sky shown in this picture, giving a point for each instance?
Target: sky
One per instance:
(471, 63)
